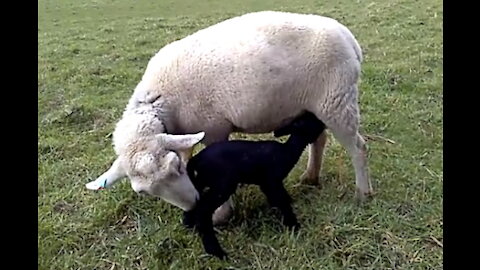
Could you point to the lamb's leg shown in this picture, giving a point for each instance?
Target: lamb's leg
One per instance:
(277, 196)
(225, 211)
(210, 242)
(315, 158)
(189, 218)
(209, 201)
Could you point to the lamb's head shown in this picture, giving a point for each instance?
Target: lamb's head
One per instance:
(306, 125)
(154, 168)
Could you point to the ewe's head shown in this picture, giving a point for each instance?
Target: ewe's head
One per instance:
(155, 169)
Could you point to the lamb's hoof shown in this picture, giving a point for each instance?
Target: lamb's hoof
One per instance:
(295, 226)
(222, 215)
(219, 253)
(308, 179)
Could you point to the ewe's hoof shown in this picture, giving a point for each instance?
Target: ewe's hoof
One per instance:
(222, 215)
(362, 196)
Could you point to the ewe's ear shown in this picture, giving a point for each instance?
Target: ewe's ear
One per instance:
(171, 164)
(108, 178)
(179, 142)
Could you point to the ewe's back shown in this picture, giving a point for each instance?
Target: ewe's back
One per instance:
(266, 34)
(264, 26)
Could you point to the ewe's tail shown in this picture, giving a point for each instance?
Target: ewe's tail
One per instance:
(352, 40)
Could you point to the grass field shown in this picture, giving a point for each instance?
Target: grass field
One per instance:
(92, 54)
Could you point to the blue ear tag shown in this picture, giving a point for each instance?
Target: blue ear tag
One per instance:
(104, 185)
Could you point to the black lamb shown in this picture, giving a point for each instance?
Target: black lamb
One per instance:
(219, 168)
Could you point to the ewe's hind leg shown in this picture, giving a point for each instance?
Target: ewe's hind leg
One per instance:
(341, 115)
(355, 145)
(315, 158)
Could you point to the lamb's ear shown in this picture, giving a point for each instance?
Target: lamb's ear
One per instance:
(108, 178)
(179, 142)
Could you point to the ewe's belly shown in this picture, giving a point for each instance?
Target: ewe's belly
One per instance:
(265, 118)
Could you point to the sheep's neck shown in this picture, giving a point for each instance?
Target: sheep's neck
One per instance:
(296, 145)
(137, 124)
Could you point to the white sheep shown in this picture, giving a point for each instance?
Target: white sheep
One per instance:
(252, 74)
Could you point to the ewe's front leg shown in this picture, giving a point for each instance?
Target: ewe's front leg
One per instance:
(223, 213)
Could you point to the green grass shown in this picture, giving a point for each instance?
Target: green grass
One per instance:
(93, 53)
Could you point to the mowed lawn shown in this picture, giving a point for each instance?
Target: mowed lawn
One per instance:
(92, 54)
